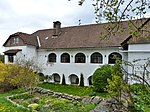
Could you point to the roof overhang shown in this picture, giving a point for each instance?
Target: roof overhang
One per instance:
(12, 51)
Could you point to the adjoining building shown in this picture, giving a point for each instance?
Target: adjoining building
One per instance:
(77, 50)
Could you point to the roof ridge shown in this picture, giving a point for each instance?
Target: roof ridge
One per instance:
(84, 25)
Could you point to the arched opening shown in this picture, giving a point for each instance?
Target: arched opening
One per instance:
(56, 77)
(41, 76)
(74, 79)
(52, 57)
(113, 57)
(65, 58)
(80, 58)
(96, 58)
(90, 80)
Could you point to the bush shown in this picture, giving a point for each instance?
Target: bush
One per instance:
(2, 58)
(4, 109)
(100, 77)
(13, 75)
(81, 80)
(141, 97)
(63, 80)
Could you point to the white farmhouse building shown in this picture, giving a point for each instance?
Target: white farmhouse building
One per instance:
(77, 50)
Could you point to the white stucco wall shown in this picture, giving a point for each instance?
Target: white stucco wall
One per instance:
(139, 47)
(27, 52)
(87, 69)
(135, 52)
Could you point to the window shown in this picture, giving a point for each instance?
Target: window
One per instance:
(15, 40)
(113, 57)
(80, 58)
(96, 58)
(65, 58)
(52, 57)
(10, 58)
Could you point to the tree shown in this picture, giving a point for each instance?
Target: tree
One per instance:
(115, 11)
(123, 92)
(117, 87)
(29, 63)
(81, 80)
(142, 65)
(100, 78)
(63, 80)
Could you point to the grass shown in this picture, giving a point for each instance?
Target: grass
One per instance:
(50, 103)
(6, 106)
(72, 90)
(57, 104)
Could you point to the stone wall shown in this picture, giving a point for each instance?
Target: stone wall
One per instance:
(94, 99)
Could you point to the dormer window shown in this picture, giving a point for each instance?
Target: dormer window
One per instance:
(15, 40)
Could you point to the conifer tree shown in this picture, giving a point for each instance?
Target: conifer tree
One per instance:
(81, 80)
(63, 80)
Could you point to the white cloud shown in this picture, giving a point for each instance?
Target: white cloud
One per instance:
(31, 15)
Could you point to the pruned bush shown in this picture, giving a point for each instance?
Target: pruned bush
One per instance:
(81, 80)
(100, 77)
(63, 80)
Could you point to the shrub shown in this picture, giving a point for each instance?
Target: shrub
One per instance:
(141, 97)
(46, 78)
(81, 80)
(4, 109)
(100, 77)
(63, 80)
(13, 75)
(33, 106)
(2, 58)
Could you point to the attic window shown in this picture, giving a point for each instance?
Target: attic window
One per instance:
(15, 40)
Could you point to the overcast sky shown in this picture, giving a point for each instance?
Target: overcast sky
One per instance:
(31, 15)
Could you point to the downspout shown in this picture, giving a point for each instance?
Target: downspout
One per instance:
(39, 43)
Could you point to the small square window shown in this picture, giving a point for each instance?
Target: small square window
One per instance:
(15, 40)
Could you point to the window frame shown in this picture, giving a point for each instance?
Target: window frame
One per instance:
(111, 59)
(52, 59)
(80, 58)
(15, 41)
(96, 57)
(65, 58)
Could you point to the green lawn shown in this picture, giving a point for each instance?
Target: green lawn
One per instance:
(6, 106)
(72, 89)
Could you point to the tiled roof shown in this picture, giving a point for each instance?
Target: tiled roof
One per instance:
(12, 51)
(27, 38)
(142, 35)
(84, 36)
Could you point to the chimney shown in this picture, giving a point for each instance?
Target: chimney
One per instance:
(57, 28)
